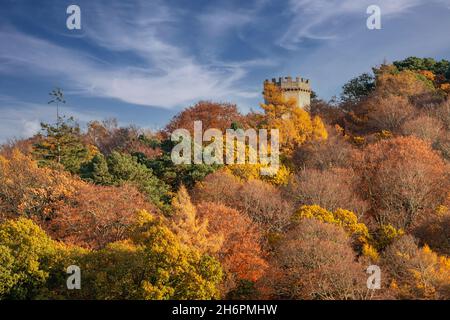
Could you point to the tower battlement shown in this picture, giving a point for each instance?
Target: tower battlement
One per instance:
(299, 88)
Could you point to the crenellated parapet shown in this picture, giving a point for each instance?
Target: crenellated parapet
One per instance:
(299, 88)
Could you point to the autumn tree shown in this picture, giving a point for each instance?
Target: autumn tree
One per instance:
(442, 112)
(326, 154)
(121, 168)
(416, 273)
(388, 112)
(403, 179)
(108, 136)
(97, 215)
(216, 187)
(435, 231)
(406, 83)
(30, 260)
(384, 235)
(30, 191)
(330, 189)
(356, 230)
(25, 146)
(189, 227)
(220, 116)
(327, 111)
(424, 127)
(295, 125)
(389, 104)
(152, 264)
(261, 201)
(315, 261)
(248, 171)
(240, 253)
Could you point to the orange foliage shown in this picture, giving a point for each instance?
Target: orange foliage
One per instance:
(331, 189)
(240, 254)
(428, 74)
(27, 190)
(403, 179)
(445, 87)
(314, 261)
(213, 115)
(404, 83)
(97, 215)
(261, 201)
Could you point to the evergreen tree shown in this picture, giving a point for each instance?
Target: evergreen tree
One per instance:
(61, 143)
(120, 168)
(97, 171)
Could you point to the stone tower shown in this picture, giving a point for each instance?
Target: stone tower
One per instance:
(299, 88)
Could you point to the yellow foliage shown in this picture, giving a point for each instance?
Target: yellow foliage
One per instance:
(441, 210)
(370, 252)
(92, 151)
(253, 171)
(428, 275)
(244, 171)
(445, 87)
(341, 217)
(383, 134)
(404, 83)
(359, 141)
(281, 178)
(192, 230)
(295, 125)
(386, 234)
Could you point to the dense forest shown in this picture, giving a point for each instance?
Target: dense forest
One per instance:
(364, 180)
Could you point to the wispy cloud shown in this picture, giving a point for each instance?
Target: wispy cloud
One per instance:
(21, 119)
(329, 19)
(163, 74)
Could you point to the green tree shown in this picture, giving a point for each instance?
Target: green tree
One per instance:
(441, 68)
(358, 88)
(176, 175)
(61, 143)
(120, 168)
(97, 171)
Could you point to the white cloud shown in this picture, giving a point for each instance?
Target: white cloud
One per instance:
(21, 119)
(162, 73)
(219, 22)
(329, 19)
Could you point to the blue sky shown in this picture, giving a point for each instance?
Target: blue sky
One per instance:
(143, 61)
